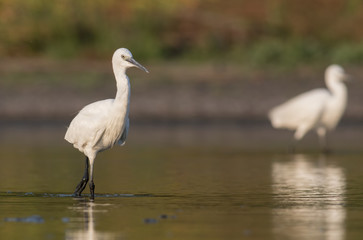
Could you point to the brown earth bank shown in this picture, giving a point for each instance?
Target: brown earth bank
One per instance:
(41, 89)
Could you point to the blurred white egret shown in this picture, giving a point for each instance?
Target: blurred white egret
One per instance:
(319, 109)
(102, 124)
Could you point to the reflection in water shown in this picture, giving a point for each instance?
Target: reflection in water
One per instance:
(88, 231)
(310, 199)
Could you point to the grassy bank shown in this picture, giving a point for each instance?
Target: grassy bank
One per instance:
(272, 32)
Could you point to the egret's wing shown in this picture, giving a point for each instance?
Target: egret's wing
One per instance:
(99, 108)
(305, 108)
(122, 140)
(86, 126)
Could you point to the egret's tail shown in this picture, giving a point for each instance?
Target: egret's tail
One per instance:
(274, 118)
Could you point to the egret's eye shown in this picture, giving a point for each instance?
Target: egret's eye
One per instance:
(123, 56)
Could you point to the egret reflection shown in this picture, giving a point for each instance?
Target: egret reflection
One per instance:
(87, 231)
(310, 196)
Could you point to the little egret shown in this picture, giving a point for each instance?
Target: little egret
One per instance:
(319, 109)
(102, 124)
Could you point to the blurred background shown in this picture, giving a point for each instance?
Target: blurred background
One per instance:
(209, 61)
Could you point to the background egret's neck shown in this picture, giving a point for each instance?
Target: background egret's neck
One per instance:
(336, 87)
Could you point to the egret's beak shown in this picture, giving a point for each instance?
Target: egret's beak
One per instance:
(136, 64)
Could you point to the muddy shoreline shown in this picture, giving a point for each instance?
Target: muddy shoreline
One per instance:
(39, 90)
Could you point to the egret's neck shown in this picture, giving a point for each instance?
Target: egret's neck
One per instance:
(123, 87)
(336, 87)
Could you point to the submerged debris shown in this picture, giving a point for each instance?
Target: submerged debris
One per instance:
(30, 219)
(66, 220)
(150, 220)
(161, 217)
(166, 216)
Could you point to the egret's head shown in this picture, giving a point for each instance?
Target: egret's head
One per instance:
(123, 57)
(336, 72)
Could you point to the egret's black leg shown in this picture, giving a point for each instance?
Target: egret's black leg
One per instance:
(292, 147)
(92, 190)
(92, 184)
(323, 141)
(82, 184)
(326, 149)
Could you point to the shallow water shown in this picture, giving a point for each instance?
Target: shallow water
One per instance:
(187, 183)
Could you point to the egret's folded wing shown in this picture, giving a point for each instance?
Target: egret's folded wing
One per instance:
(305, 108)
(85, 126)
(122, 140)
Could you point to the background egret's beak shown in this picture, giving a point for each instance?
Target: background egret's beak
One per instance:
(136, 64)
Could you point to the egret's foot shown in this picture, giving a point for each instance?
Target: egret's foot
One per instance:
(76, 195)
(80, 187)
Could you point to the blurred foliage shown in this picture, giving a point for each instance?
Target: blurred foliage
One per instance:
(264, 32)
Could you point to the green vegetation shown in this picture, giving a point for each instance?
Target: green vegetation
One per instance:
(271, 32)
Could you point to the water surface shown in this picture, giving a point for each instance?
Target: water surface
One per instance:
(186, 183)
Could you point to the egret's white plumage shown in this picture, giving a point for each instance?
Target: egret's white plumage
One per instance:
(319, 109)
(100, 125)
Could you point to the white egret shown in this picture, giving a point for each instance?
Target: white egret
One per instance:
(102, 124)
(319, 109)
